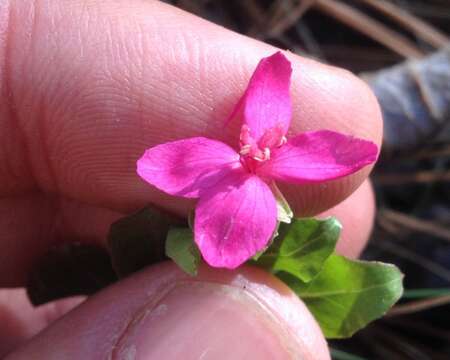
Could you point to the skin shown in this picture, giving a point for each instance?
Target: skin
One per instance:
(86, 87)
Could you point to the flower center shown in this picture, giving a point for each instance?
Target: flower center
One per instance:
(253, 152)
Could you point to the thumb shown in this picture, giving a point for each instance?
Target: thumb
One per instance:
(161, 313)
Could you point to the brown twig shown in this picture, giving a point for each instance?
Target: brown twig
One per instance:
(271, 16)
(430, 154)
(387, 225)
(395, 345)
(256, 14)
(421, 328)
(192, 6)
(416, 224)
(417, 177)
(419, 27)
(290, 17)
(419, 305)
(415, 258)
(429, 9)
(370, 27)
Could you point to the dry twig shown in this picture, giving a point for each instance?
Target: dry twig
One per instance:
(419, 27)
(415, 258)
(417, 177)
(416, 224)
(420, 305)
(370, 27)
(290, 17)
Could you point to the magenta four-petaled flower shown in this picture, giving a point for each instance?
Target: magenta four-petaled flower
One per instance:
(236, 214)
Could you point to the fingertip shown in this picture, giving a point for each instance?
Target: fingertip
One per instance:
(328, 97)
(357, 215)
(331, 98)
(21, 320)
(163, 313)
(136, 81)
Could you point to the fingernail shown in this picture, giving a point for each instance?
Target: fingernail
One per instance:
(194, 320)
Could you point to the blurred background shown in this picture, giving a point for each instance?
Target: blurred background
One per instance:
(402, 49)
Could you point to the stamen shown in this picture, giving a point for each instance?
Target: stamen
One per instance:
(245, 150)
(283, 141)
(262, 156)
(245, 137)
(251, 150)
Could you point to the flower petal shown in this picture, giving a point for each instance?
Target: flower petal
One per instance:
(318, 156)
(185, 167)
(234, 220)
(266, 103)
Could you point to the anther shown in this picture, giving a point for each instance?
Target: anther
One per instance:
(245, 150)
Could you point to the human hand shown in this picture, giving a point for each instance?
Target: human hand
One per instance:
(86, 87)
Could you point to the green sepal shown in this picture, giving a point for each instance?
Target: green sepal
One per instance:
(180, 247)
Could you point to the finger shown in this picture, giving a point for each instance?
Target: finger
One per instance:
(164, 314)
(36, 224)
(20, 320)
(31, 225)
(357, 215)
(81, 102)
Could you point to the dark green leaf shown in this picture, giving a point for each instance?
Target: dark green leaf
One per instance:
(138, 240)
(180, 247)
(348, 294)
(67, 270)
(301, 247)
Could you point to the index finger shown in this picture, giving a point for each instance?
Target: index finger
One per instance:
(89, 86)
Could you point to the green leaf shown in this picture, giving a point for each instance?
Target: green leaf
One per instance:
(69, 269)
(348, 294)
(137, 240)
(301, 247)
(180, 247)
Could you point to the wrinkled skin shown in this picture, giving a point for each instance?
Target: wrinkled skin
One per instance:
(86, 87)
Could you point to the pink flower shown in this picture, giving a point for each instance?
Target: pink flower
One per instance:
(236, 214)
